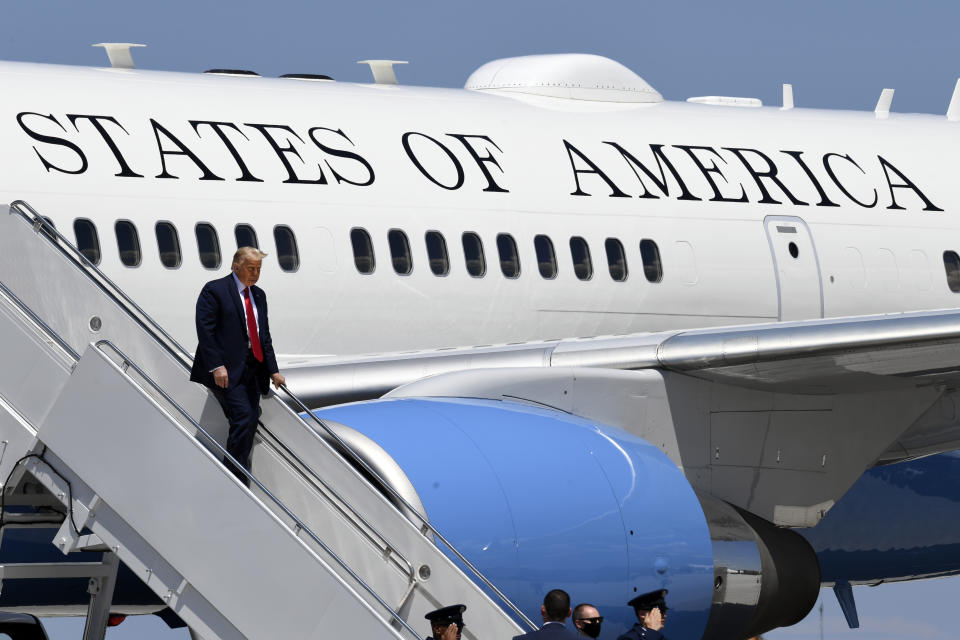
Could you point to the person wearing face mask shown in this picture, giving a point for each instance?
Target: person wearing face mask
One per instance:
(587, 620)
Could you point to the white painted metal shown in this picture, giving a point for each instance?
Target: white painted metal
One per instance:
(100, 589)
(177, 499)
(340, 311)
(573, 76)
(78, 403)
(787, 97)
(319, 522)
(68, 302)
(119, 53)
(36, 570)
(861, 353)
(882, 109)
(953, 109)
(383, 71)
(797, 268)
(726, 101)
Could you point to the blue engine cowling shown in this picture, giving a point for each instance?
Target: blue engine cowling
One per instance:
(538, 499)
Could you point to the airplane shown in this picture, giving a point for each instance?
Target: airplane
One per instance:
(615, 343)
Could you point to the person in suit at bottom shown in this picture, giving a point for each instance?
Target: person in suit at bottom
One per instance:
(651, 610)
(446, 623)
(555, 611)
(235, 357)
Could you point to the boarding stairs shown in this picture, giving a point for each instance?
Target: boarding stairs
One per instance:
(96, 408)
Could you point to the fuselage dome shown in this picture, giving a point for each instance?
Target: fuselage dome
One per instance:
(575, 76)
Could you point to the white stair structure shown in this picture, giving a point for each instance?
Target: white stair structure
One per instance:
(99, 411)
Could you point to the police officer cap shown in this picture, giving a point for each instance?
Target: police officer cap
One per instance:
(648, 601)
(446, 615)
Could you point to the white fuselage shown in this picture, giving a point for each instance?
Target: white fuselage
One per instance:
(324, 158)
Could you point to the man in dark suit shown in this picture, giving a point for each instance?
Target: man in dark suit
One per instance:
(555, 611)
(235, 356)
(651, 611)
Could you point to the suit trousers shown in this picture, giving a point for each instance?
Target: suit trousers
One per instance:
(241, 404)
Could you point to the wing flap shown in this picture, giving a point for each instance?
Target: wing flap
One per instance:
(824, 356)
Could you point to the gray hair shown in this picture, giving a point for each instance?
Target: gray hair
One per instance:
(247, 253)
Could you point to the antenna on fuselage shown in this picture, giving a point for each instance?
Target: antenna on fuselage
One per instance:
(883, 104)
(119, 54)
(383, 72)
(953, 111)
(787, 97)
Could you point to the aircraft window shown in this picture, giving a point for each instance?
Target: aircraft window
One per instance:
(169, 244)
(287, 254)
(208, 245)
(128, 243)
(400, 252)
(87, 240)
(362, 250)
(437, 253)
(650, 255)
(616, 259)
(473, 254)
(246, 236)
(509, 258)
(546, 257)
(951, 262)
(580, 251)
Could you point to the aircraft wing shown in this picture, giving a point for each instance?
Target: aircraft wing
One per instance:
(778, 418)
(825, 356)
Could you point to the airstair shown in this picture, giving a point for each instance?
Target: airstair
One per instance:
(96, 408)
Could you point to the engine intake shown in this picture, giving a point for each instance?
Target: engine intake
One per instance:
(764, 577)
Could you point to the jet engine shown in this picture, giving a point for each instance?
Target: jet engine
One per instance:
(540, 499)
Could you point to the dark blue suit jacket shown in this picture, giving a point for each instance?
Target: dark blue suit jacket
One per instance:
(222, 334)
(639, 632)
(549, 631)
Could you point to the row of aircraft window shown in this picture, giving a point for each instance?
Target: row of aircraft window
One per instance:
(288, 256)
(208, 245)
(168, 243)
(509, 257)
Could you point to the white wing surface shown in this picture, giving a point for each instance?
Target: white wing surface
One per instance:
(777, 418)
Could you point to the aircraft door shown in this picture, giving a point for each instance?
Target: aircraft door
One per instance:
(796, 268)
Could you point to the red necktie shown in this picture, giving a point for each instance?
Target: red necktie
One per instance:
(252, 327)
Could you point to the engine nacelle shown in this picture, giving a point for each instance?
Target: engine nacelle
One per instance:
(540, 499)
(764, 577)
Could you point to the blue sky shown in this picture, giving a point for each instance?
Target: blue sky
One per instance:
(837, 54)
